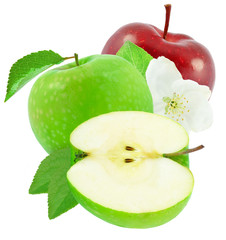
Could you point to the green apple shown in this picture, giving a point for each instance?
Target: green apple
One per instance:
(66, 96)
(124, 176)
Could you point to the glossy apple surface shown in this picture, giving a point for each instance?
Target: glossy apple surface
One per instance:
(192, 59)
(66, 96)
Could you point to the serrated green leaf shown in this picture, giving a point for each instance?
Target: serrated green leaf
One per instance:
(29, 67)
(60, 198)
(48, 168)
(135, 55)
(51, 178)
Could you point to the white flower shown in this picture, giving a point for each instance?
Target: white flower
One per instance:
(185, 101)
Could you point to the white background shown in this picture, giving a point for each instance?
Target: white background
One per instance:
(83, 27)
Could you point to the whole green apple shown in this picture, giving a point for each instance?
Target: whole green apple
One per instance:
(66, 96)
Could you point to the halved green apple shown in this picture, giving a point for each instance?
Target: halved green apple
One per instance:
(122, 176)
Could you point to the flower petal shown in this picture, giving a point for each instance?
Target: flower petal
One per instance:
(159, 107)
(160, 75)
(190, 87)
(200, 116)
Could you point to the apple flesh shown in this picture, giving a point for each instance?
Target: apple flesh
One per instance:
(64, 97)
(192, 59)
(123, 177)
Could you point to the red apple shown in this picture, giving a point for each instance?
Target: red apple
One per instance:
(192, 59)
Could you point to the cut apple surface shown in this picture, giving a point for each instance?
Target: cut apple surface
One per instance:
(123, 177)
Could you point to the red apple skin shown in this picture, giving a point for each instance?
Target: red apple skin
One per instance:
(191, 58)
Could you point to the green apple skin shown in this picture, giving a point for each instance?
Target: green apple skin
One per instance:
(182, 159)
(66, 96)
(129, 220)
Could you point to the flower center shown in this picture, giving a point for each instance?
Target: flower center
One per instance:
(176, 106)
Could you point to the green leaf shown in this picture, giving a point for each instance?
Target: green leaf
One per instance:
(60, 198)
(51, 178)
(48, 167)
(29, 67)
(135, 55)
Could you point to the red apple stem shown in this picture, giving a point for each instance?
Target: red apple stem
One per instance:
(168, 155)
(168, 11)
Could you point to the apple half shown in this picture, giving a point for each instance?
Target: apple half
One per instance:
(122, 175)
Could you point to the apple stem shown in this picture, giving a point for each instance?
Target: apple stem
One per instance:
(75, 57)
(168, 155)
(168, 10)
(66, 58)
